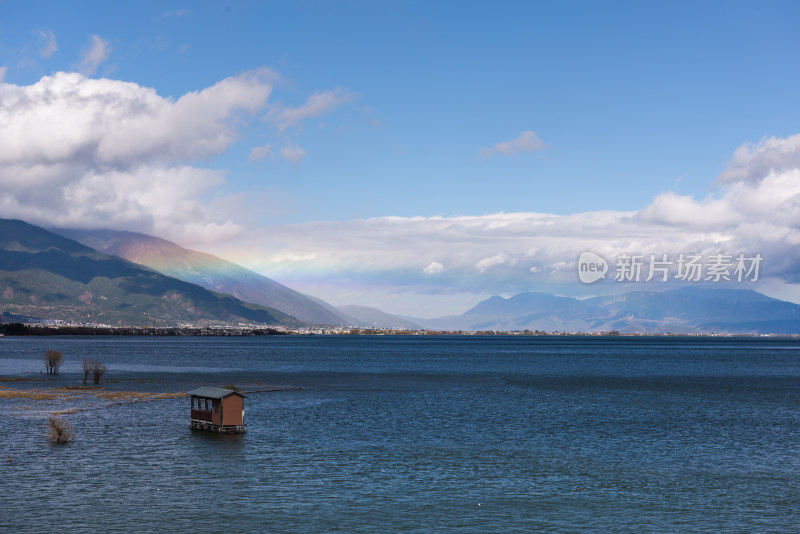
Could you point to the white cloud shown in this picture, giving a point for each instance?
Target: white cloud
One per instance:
(527, 141)
(433, 267)
(3, 73)
(488, 263)
(755, 161)
(147, 196)
(67, 118)
(48, 45)
(685, 211)
(261, 152)
(293, 153)
(94, 54)
(774, 197)
(317, 104)
(84, 152)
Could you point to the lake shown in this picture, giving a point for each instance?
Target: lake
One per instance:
(411, 434)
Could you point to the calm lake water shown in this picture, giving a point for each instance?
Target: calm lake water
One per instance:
(413, 434)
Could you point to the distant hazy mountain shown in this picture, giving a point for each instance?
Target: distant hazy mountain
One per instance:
(375, 318)
(346, 320)
(366, 317)
(46, 275)
(684, 310)
(207, 271)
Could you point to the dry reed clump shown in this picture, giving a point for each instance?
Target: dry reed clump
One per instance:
(83, 396)
(133, 396)
(60, 430)
(32, 394)
(75, 392)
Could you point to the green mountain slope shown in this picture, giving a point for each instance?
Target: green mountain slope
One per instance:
(46, 275)
(208, 271)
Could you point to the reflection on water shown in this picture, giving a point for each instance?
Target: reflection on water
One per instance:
(411, 434)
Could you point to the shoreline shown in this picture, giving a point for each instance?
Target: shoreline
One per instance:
(39, 330)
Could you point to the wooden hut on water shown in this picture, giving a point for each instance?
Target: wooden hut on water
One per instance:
(217, 410)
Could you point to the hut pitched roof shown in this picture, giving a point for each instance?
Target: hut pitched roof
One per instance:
(213, 393)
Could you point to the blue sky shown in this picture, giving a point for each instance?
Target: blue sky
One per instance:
(444, 111)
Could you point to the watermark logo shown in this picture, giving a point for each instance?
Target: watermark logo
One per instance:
(663, 267)
(591, 267)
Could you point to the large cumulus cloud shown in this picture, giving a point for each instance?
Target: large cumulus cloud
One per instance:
(76, 151)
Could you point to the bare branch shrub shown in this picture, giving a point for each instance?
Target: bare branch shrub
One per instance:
(52, 361)
(98, 371)
(60, 430)
(93, 368)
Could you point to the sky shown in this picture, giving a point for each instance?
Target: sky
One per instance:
(418, 157)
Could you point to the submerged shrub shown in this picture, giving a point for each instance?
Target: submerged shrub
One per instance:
(52, 361)
(94, 369)
(60, 430)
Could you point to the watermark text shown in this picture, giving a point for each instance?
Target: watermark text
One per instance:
(665, 267)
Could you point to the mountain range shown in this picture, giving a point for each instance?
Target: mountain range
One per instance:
(209, 272)
(124, 278)
(688, 310)
(48, 276)
(222, 276)
(375, 318)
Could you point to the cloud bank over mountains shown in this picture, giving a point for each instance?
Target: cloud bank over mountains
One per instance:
(755, 211)
(92, 153)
